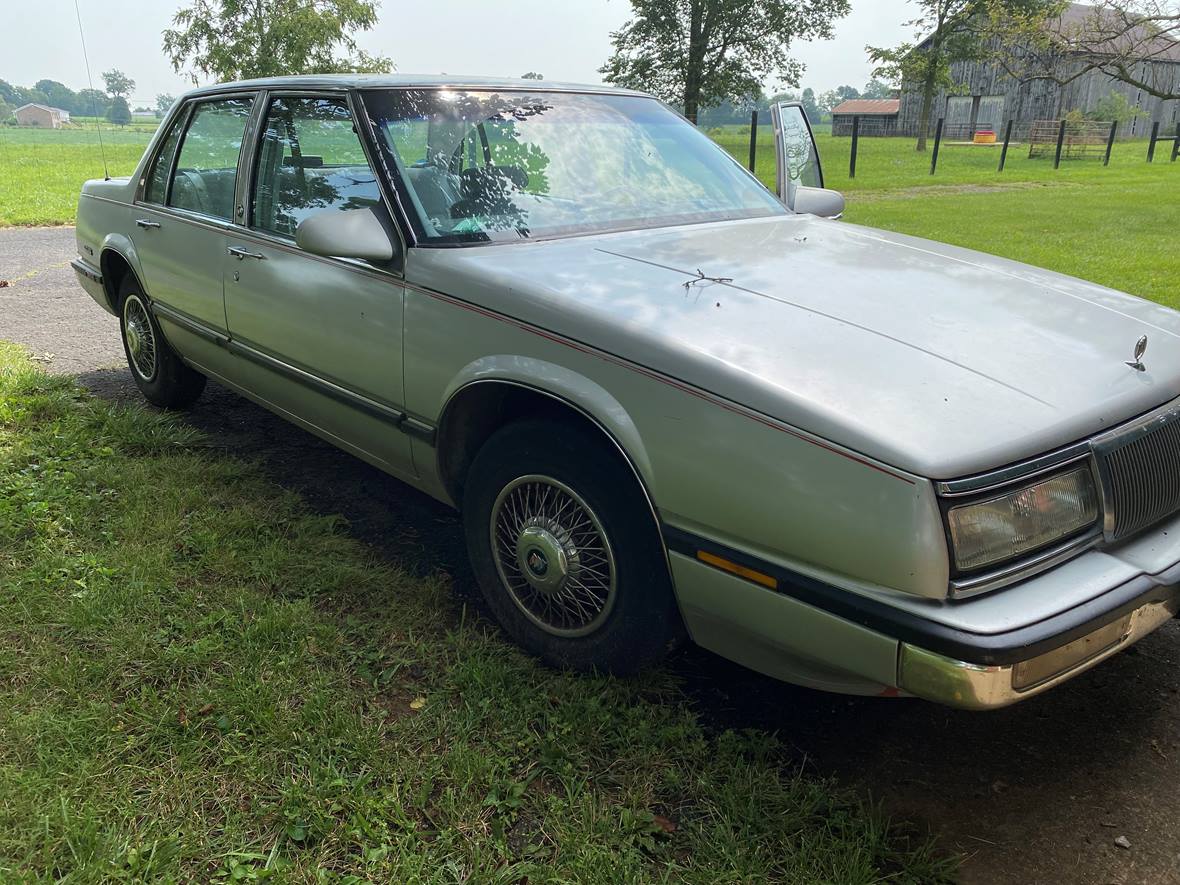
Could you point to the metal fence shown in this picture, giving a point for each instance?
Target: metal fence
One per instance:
(1063, 139)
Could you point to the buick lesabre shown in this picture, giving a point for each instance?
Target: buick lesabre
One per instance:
(667, 401)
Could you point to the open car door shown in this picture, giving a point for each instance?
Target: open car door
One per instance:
(799, 180)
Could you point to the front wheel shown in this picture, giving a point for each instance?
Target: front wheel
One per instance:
(159, 373)
(566, 551)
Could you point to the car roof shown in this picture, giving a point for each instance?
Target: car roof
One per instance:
(407, 81)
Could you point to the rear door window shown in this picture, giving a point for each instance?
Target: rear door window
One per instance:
(309, 160)
(206, 170)
(157, 183)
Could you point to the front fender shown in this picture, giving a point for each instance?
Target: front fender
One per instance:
(577, 390)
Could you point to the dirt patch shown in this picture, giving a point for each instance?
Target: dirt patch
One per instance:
(950, 190)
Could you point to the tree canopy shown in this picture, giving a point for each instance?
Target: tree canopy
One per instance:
(118, 84)
(698, 53)
(238, 39)
(88, 102)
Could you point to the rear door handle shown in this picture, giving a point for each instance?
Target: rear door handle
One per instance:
(240, 253)
(145, 224)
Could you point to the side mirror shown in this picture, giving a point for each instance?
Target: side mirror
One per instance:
(819, 201)
(800, 179)
(354, 233)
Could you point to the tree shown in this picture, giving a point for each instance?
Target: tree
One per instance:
(58, 95)
(119, 113)
(696, 53)
(956, 30)
(876, 88)
(532, 75)
(93, 103)
(118, 84)
(811, 106)
(164, 101)
(1115, 108)
(1115, 37)
(238, 39)
(5, 111)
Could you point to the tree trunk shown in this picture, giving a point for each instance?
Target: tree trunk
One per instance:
(694, 68)
(924, 115)
(691, 101)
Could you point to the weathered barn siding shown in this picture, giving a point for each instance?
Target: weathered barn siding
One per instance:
(1046, 100)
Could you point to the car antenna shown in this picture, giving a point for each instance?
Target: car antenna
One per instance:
(106, 174)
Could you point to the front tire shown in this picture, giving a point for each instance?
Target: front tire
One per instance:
(566, 551)
(160, 374)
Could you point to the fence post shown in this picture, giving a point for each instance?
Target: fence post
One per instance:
(1004, 149)
(937, 141)
(1176, 144)
(1114, 127)
(753, 137)
(1060, 142)
(1155, 131)
(855, 141)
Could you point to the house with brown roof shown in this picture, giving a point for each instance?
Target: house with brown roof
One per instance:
(878, 116)
(41, 115)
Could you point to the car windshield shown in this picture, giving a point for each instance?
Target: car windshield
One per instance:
(483, 165)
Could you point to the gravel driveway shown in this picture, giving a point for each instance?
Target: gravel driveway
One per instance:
(1036, 793)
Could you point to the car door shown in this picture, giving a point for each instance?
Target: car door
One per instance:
(186, 206)
(323, 335)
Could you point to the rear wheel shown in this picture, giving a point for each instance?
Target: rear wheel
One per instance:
(566, 551)
(161, 376)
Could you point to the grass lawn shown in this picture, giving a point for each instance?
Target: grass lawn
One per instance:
(202, 681)
(42, 170)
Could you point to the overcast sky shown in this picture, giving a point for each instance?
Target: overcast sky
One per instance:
(562, 39)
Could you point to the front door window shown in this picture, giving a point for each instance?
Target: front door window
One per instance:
(310, 160)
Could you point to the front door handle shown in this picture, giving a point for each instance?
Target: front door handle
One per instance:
(240, 253)
(145, 224)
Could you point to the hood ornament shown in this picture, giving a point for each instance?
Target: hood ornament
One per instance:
(1136, 362)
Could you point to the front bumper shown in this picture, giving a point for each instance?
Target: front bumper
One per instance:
(983, 653)
(956, 683)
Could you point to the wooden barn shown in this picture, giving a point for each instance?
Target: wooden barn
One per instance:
(878, 116)
(988, 97)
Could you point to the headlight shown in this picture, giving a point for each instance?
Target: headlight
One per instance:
(1023, 520)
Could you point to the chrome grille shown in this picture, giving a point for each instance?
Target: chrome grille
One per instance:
(1140, 470)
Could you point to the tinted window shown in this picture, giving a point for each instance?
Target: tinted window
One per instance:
(157, 185)
(310, 160)
(207, 167)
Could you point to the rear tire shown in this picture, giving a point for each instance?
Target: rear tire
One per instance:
(566, 551)
(160, 374)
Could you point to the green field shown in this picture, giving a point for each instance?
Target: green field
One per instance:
(200, 680)
(42, 170)
(1115, 225)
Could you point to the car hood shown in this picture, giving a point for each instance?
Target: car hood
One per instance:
(934, 359)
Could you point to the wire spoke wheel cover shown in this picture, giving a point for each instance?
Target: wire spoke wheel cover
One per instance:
(140, 338)
(553, 556)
